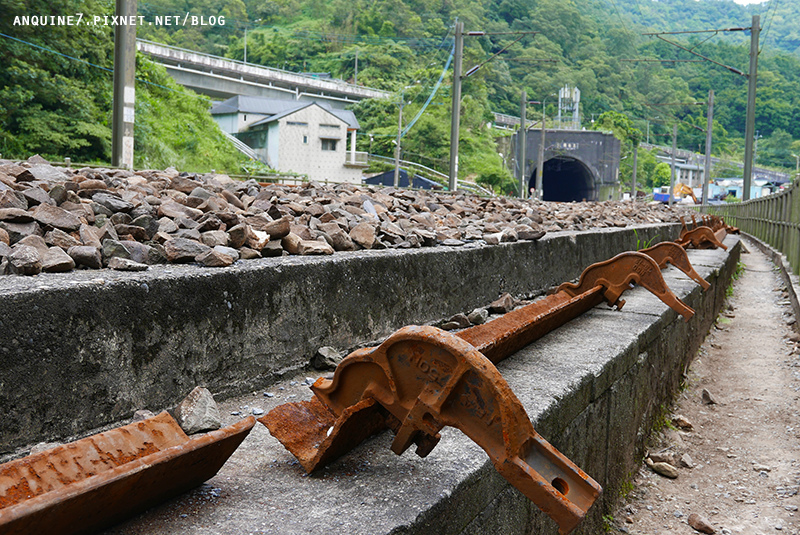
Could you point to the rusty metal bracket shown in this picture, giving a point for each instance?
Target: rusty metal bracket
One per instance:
(422, 379)
(418, 381)
(94, 482)
(708, 235)
(672, 253)
(603, 281)
(700, 237)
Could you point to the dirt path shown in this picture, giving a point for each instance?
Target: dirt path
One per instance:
(745, 448)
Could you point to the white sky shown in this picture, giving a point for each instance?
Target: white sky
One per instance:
(744, 2)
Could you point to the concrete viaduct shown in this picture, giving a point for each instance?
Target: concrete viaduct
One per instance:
(222, 78)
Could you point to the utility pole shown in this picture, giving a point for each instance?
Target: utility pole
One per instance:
(523, 131)
(540, 160)
(356, 77)
(124, 100)
(672, 172)
(397, 144)
(633, 175)
(245, 43)
(707, 166)
(750, 125)
(455, 118)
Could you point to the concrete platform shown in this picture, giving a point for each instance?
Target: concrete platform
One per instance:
(594, 388)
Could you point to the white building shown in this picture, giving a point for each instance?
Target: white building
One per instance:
(309, 138)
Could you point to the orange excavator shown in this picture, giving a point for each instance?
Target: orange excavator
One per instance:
(682, 189)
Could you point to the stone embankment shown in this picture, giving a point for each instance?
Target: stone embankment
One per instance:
(59, 219)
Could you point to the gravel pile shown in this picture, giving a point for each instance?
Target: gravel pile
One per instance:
(58, 219)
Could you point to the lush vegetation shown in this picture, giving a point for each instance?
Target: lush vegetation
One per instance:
(56, 90)
(403, 45)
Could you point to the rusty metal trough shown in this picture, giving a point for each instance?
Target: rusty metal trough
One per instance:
(94, 482)
(422, 379)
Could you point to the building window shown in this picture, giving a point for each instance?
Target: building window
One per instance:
(295, 123)
(336, 126)
(305, 140)
(329, 144)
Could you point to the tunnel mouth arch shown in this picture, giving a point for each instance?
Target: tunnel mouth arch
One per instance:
(566, 179)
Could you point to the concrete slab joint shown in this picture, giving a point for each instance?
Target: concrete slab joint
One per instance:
(142, 340)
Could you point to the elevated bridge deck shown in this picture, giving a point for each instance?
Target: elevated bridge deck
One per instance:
(223, 78)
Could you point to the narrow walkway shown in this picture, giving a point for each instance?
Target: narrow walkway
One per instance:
(739, 465)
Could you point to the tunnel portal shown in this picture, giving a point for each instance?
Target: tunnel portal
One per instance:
(566, 179)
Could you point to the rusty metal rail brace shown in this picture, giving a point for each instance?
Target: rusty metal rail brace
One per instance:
(100, 480)
(422, 379)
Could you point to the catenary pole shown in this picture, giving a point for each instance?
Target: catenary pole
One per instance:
(672, 170)
(124, 99)
(523, 131)
(455, 119)
(707, 166)
(750, 125)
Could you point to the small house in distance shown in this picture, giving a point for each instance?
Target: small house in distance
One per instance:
(309, 138)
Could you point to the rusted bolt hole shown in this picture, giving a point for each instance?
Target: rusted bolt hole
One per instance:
(560, 485)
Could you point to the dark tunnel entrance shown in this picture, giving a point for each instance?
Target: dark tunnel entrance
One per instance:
(566, 179)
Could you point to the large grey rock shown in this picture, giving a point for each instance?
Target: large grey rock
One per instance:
(13, 199)
(43, 173)
(502, 305)
(214, 258)
(25, 260)
(57, 261)
(198, 412)
(478, 316)
(54, 216)
(212, 238)
(86, 255)
(326, 358)
(237, 236)
(173, 209)
(15, 215)
(364, 234)
(339, 239)
(59, 238)
(111, 202)
(115, 249)
(36, 242)
(230, 251)
(17, 231)
(36, 196)
(700, 524)
(314, 247)
(183, 250)
(126, 264)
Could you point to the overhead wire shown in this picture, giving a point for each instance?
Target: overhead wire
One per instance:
(67, 56)
(766, 32)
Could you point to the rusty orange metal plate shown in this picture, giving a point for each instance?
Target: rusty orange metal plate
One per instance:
(97, 481)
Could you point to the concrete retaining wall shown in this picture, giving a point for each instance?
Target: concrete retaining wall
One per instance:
(86, 349)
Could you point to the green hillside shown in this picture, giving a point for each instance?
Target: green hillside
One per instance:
(403, 46)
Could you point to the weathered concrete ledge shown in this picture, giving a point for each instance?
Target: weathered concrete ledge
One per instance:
(85, 349)
(594, 387)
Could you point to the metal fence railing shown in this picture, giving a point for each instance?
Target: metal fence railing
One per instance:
(774, 219)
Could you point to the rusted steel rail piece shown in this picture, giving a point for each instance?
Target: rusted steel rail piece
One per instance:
(422, 379)
(97, 481)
